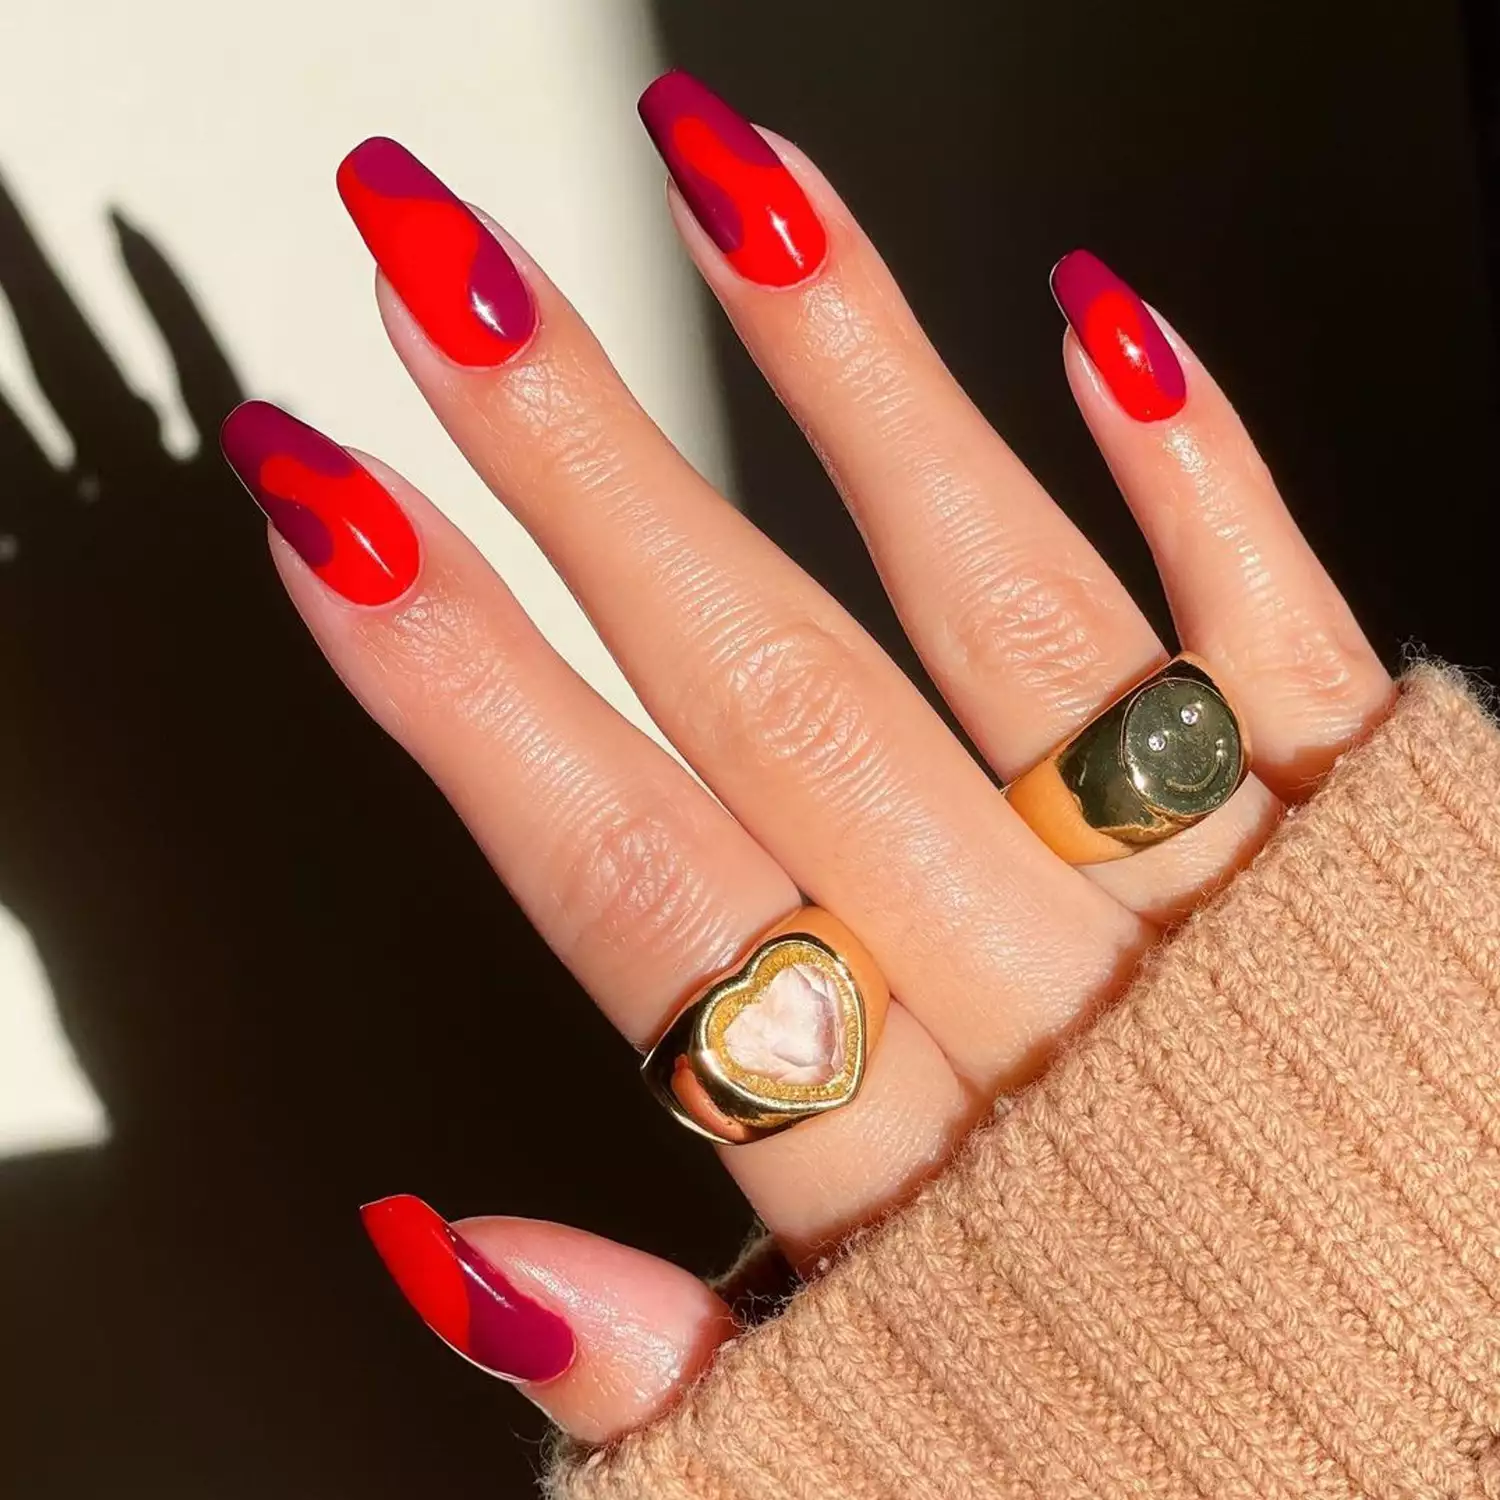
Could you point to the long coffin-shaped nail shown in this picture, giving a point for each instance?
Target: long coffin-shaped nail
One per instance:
(1120, 336)
(464, 1299)
(342, 521)
(750, 206)
(453, 275)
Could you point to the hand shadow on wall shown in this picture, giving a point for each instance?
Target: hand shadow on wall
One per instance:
(285, 968)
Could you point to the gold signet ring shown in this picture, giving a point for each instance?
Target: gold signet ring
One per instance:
(1156, 761)
(784, 1035)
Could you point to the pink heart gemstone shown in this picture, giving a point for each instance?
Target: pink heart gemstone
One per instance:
(793, 1032)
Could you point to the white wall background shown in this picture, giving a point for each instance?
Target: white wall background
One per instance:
(216, 129)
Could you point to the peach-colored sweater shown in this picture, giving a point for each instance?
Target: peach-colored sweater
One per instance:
(1243, 1240)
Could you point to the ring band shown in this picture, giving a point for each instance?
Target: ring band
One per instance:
(784, 1035)
(1156, 761)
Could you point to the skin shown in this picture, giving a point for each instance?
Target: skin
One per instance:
(832, 774)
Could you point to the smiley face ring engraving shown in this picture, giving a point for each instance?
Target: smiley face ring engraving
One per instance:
(1161, 758)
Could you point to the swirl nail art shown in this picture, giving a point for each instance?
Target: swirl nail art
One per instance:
(1121, 338)
(736, 185)
(343, 523)
(452, 274)
(465, 1299)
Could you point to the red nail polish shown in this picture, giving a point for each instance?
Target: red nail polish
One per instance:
(342, 521)
(1120, 336)
(451, 272)
(735, 184)
(464, 1299)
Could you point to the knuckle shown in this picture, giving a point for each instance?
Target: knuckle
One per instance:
(792, 694)
(1035, 630)
(1321, 675)
(631, 884)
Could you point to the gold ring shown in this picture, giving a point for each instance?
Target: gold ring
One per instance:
(784, 1035)
(1156, 761)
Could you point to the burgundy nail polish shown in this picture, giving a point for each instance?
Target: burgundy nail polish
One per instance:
(1121, 338)
(453, 275)
(343, 522)
(465, 1299)
(750, 206)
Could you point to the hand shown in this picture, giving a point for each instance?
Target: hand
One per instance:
(832, 774)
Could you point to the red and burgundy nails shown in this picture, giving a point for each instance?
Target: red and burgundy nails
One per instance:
(1120, 336)
(341, 520)
(737, 187)
(453, 275)
(463, 1298)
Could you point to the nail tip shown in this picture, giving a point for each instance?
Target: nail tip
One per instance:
(256, 410)
(372, 157)
(236, 419)
(664, 98)
(227, 424)
(348, 167)
(374, 143)
(664, 81)
(650, 105)
(397, 1225)
(1077, 259)
(389, 1203)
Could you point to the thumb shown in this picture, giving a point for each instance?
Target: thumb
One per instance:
(600, 1336)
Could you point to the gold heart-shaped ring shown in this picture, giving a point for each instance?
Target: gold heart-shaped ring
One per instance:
(785, 1035)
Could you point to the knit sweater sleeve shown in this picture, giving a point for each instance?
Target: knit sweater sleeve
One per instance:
(1244, 1238)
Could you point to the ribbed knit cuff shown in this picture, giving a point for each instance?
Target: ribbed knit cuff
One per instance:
(1243, 1240)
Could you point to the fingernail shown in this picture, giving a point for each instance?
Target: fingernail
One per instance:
(747, 202)
(451, 272)
(1120, 336)
(464, 1299)
(342, 521)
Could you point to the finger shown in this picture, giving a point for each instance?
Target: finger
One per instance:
(600, 1336)
(820, 747)
(1246, 591)
(636, 877)
(1167, 882)
(1024, 628)
(1022, 625)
